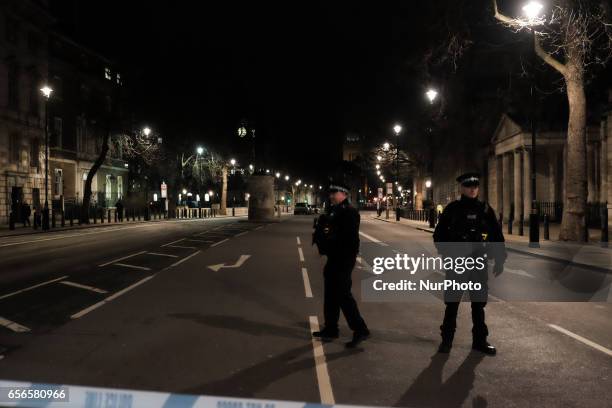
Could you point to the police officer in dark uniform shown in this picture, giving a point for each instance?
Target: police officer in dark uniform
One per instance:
(340, 242)
(469, 220)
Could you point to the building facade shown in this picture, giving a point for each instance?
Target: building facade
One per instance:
(23, 70)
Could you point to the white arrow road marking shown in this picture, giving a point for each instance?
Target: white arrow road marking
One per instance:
(238, 263)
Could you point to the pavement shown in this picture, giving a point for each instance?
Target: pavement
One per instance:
(226, 307)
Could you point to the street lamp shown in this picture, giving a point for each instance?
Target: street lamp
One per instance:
(431, 95)
(233, 162)
(532, 11)
(385, 146)
(146, 131)
(46, 91)
(277, 175)
(200, 150)
(287, 178)
(397, 129)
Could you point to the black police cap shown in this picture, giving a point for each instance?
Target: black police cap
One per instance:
(469, 179)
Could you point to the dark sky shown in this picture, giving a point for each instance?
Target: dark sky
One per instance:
(303, 73)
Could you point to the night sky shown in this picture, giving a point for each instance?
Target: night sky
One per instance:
(304, 74)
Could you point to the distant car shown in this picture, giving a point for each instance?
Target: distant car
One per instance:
(301, 209)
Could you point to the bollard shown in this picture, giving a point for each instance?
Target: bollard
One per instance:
(108, 215)
(62, 219)
(53, 222)
(233, 211)
(11, 221)
(72, 217)
(116, 216)
(546, 227)
(432, 217)
(501, 219)
(510, 222)
(604, 225)
(95, 217)
(101, 215)
(520, 226)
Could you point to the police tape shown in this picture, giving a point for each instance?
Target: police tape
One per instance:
(38, 395)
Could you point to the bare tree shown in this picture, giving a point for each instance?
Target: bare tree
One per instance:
(576, 36)
(130, 146)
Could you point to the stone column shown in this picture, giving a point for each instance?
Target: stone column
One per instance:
(526, 182)
(506, 179)
(261, 199)
(518, 191)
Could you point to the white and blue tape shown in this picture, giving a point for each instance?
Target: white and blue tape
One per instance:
(95, 397)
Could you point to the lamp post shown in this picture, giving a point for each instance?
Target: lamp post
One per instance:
(46, 91)
(532, 11)
(397, 129)
(432, 95)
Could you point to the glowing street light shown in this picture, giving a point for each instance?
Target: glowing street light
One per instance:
(397, 129)
(428, 184)
(378, 172)
(432, 94)
(532, 10)
(46, 91)
(146, 131)
(200, 150)
(287, 178)
(233, 162)
(386, 146)
(379, 157)
(277, 175)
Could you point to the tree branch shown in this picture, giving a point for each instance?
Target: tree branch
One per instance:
(501, 17)
(548, 58)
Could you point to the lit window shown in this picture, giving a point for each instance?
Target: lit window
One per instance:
(107, 73)
(118, 78)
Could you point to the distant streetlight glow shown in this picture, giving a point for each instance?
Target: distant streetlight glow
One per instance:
(233, 162)
(251, 167)
(379, 157)
(431, 95)
(146, 131)
(428, 184)
(397, 129)
(286, 178)
(386, 146)
(200, 150)
(277, 175)
(46, 91)
(377, 166)
(378, 172)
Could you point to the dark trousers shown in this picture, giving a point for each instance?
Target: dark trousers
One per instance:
(479, 328)
(338, 296)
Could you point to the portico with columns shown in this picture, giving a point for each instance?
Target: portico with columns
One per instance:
(509, 170)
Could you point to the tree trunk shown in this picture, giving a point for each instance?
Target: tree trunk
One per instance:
(84, 218)
(573, 223)
(223, 207)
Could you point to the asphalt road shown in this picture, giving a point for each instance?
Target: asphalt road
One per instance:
(225, 307)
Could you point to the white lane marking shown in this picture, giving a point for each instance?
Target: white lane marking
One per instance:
(102, 230)
(371, 238)
(241, 234)
(238, 263)
(197, 240)
(260, 227)
(180, 261)
(16, 327)
(181, 246)
(173, 242)
(301, 253)
(158, 254)
(325, 389)
(108, 299)
(121, 259)
(518, 272)
(298, 241)
(219, 243)
(32, 287)
(142, 268)
(582, 339)
(307, 288)
(78, 285)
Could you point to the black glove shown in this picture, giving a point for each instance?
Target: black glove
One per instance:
(498, 268)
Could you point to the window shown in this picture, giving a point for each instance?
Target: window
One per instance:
(34, 94)
(13, 86)
(107, 73)
(118, 78)
(34, 152)
(57, 132)
(12, 30)
(14, 148)
(108, 188)
(119, 187)
(58, 182)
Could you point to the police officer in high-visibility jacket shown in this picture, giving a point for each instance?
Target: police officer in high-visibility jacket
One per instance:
(472, 222)
(339, 240)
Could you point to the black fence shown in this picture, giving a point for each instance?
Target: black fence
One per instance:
(554, 211)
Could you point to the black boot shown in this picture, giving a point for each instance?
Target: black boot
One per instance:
(358, 337)
(326, 334)
(484, 347)
(445, 347)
